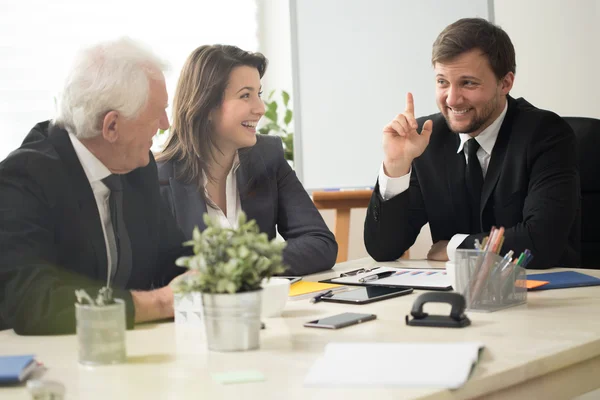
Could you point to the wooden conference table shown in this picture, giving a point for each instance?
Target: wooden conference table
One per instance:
(546, 349)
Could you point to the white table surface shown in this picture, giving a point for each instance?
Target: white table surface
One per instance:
(548, 348)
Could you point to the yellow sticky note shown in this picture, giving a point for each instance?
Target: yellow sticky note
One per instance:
(305, 287)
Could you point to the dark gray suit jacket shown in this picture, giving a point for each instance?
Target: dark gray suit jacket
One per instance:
(271, 194)
(51, 239)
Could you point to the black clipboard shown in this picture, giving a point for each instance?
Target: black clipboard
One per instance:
(361, 270)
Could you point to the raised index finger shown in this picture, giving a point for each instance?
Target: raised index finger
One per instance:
(410, 105)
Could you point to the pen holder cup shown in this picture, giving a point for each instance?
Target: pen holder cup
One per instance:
(101, 333)
(488, 282)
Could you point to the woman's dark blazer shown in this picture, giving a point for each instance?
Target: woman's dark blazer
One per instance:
(271, 194)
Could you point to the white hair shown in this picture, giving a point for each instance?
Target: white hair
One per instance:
(110, 76)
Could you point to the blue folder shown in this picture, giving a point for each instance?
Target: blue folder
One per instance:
(14, 369)
(564, 279)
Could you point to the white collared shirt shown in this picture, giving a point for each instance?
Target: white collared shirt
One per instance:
(232, 198)
(95, 172)
(390, 187)
(486, 139)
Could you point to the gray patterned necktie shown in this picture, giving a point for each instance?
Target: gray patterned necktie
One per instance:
(124, 264)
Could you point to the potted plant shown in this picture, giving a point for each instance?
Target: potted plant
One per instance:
(229, 266)
(278, 121)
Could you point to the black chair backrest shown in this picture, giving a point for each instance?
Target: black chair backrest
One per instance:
(587, 131)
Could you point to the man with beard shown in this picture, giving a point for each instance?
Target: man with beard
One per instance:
(485, 160)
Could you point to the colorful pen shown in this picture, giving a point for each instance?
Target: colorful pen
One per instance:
(376, 276)
(521, 258)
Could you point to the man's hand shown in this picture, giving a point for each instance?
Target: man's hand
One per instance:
(401, 141)
(156, 304)
(153, 305)
(438, 251)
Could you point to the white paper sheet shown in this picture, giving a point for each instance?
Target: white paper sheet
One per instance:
(443, 365)
(417, 278)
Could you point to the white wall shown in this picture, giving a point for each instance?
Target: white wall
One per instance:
(353, 62)
(557, 43)
(274, 43)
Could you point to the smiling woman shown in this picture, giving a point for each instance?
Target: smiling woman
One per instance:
(215, 163)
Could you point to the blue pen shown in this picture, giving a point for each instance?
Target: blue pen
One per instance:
(319, 297)
(527, 260)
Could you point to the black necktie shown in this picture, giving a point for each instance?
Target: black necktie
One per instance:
(124, 264)
(474, 178)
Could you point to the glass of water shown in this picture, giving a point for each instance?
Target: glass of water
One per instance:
(101, 333)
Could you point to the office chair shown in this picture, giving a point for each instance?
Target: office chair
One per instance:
(587, 131)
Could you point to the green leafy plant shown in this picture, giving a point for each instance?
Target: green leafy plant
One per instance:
(229, 260)
(278, 121)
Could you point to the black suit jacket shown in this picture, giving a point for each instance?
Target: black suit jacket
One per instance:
(271, 194)
(531, 188)
(51, 238)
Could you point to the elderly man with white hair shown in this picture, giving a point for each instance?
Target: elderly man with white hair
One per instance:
(80, 204)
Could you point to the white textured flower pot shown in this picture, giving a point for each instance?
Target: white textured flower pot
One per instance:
(188, 309)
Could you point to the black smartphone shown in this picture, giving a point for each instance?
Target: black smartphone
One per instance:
(368, 294)
(340, 320)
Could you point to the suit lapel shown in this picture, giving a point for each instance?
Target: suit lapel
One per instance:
(256, 190)
(189, 205)
(498, 154)
(454, 167)
(88, 209)
(251, 166)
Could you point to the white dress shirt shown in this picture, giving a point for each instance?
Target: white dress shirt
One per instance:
(390, 187)
(232, 197)
(95, 172)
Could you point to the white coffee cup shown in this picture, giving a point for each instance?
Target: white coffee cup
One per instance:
(274, 296)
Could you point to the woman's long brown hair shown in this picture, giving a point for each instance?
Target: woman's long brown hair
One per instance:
(200, 90)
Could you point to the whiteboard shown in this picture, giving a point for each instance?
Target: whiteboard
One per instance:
(353, 62)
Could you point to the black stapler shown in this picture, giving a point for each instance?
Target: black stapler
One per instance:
(456, 319)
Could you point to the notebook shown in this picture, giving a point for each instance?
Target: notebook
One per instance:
(439, 365)
(15, 369)
(564, 279)
(305, 289)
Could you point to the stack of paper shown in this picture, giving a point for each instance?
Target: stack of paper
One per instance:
(443, 365)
